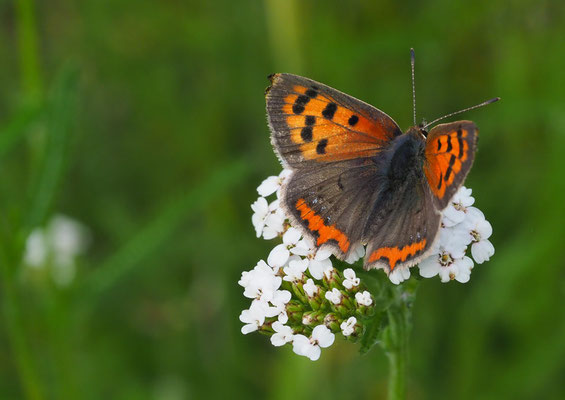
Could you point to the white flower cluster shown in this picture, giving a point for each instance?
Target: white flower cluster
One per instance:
(463, 228)
(299, 298)
(55, 248)
(321, 306)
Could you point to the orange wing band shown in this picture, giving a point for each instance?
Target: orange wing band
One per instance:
(316, 224)
(326, 131)
(395, 254)
(446, 156)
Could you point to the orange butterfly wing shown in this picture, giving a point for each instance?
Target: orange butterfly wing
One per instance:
(450, 150)
(313, 122)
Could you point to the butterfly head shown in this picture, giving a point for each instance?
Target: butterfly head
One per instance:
(418, 131)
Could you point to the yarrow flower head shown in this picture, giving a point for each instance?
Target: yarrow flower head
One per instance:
(299, 298)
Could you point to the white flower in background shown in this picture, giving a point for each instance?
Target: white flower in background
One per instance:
(321, 337)
(351, 279)
(334, 296)
(364, 298)
(283, 334)
(348, 326)
(399, 274)
(57, 246)
(36, 248)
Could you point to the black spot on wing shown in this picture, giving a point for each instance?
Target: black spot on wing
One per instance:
(306, 133)
(353, 120)
(321, 147)
(460, 141)
(311, 93)
(310, 120)
(449, 145)
(329, 111)
(449, 167)
(299, 103)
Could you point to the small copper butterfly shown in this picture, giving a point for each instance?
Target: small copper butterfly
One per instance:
(357, 178)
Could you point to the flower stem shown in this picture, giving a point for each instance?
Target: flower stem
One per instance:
(16, 334)
(396, 337)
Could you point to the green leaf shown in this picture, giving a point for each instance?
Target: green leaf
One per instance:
(61, 110)
(16, 128)
(373, 332)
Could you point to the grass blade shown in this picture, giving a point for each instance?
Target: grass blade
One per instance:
(61, 110)
(160, 228)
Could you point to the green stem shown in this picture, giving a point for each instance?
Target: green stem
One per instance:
(398, 353)
(397, 335)
(16, 334)
(28, 50)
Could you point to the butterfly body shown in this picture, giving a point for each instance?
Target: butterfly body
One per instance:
(357, 179)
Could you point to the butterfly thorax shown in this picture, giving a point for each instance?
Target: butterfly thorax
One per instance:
(406, 162)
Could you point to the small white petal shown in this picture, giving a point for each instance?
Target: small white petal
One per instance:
(355, 254)
(291, 236)
(482, 251)
(295, 270)
(283, 334)
(351, 279)
(281, 297)
(303, 248)
(278, 256)
(319, 268)
(430, 266)
(347, 327)
(323, 336)
(245, 329)
(283, 317)
(452, 216)
(275, 222)
(313, 353)
(334, 296)
(349, 273)
(323, 253)
(301, 344)
(269, 233)
(269, 186)
(484, 228)
(260, 206)
(363, 299)
(399, 274)
(310, 288)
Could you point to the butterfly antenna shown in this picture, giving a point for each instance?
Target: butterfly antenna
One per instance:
(484, 103)
(412, 58)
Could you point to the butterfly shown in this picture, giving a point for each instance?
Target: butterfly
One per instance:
(357, 178)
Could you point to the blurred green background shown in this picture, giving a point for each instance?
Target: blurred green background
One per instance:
(145, 122)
